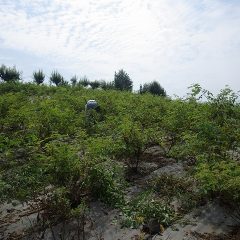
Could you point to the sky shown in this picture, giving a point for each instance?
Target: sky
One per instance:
(175, 42)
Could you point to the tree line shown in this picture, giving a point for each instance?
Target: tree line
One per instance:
(122, 81)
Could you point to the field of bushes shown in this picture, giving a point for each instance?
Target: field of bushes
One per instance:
(54, 153)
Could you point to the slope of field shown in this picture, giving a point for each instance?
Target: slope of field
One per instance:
(149, 159)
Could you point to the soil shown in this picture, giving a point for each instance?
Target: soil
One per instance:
(233, 235)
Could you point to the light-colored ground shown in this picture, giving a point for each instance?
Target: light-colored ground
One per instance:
(211, 218)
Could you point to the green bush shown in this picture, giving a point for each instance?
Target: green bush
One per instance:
(122, 81)
(154, 88)
(221, 178)
(38, 77)
(145, 208)
(106, 183)
(57, 78)
(9, 74)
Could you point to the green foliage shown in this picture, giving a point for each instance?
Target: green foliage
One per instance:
(154, 88)
(105, 183)
(106, 85)
(9, 74)
(171, 185)
(38, 77)
(184, 189)
(84, 82)
(95, 84)
(62, 163)
(122, 81)
(73, 81)
(58, 205)
(57, 78)
(144, 208)
(80, 210)
(222, 178)
(133, 142)
(45, 142)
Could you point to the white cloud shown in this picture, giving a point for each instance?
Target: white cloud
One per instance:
(177, 42)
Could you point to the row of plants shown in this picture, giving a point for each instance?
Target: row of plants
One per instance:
(47, 142)
(122, 81)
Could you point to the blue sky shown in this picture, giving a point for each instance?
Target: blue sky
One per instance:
(176, 42)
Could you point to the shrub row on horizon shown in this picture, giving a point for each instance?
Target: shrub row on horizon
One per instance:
(121, 81)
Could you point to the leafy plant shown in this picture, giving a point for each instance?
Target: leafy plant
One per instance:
(95, 84)
(106, 184)
(56, 78)
(38, 76)
(154, 88)
(144, 208)
(221, 178)
(84, 82)
(184, 189)
(106, 85)
(73, 81)
(122, 81)
(171, 185)
(9, 74)
(134, 140)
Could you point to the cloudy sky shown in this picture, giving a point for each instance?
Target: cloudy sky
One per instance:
(176, 42)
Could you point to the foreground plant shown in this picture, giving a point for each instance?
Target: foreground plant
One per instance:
(146, 209)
